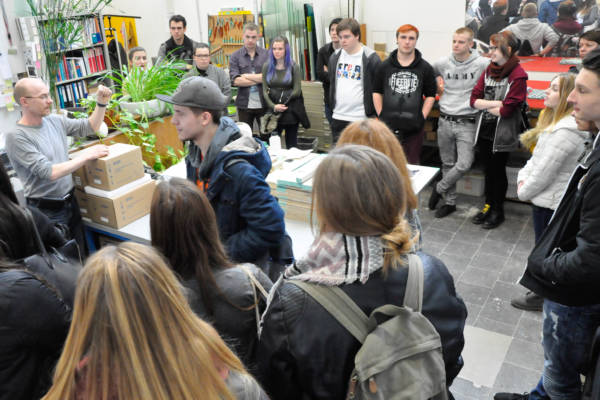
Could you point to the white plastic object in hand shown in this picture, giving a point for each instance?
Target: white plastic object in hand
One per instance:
(103, 130)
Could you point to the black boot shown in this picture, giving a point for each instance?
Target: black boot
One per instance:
(482, 215)
(495, 218)
(434, 198)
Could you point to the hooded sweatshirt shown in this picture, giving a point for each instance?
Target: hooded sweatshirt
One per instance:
(549, 11)
(232, 174)
(403, 89)
(459, 80)
(534, 31)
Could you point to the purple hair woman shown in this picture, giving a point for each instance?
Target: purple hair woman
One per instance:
(282, 91)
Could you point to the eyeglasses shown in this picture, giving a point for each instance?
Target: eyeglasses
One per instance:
(202, 55)
(44, 96)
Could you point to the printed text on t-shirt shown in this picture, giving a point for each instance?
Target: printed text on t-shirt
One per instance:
(404, 82)
(349, 71)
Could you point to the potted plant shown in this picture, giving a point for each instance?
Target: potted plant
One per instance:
(136, 131)
(139, 87)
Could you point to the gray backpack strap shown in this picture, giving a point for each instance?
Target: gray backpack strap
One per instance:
(413, 295)
(340, 306)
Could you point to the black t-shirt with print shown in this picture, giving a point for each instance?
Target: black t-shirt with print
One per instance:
(403, 89)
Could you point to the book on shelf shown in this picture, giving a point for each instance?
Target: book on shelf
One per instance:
(91, 35)
(70, 94)
(73, 68)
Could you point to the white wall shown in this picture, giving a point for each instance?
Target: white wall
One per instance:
(153, 28)
(435, 19)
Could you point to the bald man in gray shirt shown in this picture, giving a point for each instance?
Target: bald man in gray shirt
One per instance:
(37, 149)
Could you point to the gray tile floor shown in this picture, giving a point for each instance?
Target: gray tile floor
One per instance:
(485, 265)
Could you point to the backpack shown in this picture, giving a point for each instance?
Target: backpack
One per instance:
(401, 353)
(566, 45)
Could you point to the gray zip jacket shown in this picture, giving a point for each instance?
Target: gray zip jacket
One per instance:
(459, 80)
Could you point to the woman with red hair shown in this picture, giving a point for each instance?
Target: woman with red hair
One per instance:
(500, 94)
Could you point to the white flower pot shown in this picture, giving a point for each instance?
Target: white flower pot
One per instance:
(152, 108)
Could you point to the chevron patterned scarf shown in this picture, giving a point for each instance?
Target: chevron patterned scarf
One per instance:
(336, 259)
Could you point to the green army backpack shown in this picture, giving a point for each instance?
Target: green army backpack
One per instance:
(401, 353)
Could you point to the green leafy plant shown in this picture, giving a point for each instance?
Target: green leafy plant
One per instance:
(60, 26)
(136, 129)
(144, 84)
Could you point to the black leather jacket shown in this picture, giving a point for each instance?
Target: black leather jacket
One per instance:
(233, 315)
(305, 353)
(34, 322)
(564, 264)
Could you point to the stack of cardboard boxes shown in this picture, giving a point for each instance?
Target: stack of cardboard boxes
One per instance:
(315, 109)
(114, 190)
(291, 183)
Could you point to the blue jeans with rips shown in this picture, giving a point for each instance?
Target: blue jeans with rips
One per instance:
(568, 335)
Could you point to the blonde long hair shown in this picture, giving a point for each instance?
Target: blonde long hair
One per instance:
(134, 327)
(358, 191)
(376, 134)
(550, 116)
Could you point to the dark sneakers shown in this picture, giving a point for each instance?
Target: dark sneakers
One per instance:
(529, 302)
(445, 210)
(511, 396)
(481, 215)
(434, 198)
(494, 219)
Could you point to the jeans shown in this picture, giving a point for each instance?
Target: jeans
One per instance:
(541, 218)
(68, 215)
(494, 166)
(249, 115)
(455, 141)
(568, 335)
(412, 146)
(291, 134)
(328, 113)
(337, 126)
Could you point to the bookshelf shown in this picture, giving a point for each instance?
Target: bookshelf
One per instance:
(77, 63)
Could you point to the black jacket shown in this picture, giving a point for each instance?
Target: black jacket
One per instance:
(233, 314)
(403, 89)
(304, 351)
(323, 60)
(492, 25)
(370, 62)
(34, 322)
(564, 265)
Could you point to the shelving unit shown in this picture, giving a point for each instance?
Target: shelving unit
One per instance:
(225, 35)
(85, 60)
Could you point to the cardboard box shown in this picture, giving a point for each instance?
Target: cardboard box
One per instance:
(511, 175)
(79, 176)
(122, 166)
(83, 201)
(121, 207)
(379, 47)
(472, 183)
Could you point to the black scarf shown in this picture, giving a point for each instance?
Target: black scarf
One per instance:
(183, 51)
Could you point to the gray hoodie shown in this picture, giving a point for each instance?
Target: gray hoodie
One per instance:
(459, 80)
(535, 31)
